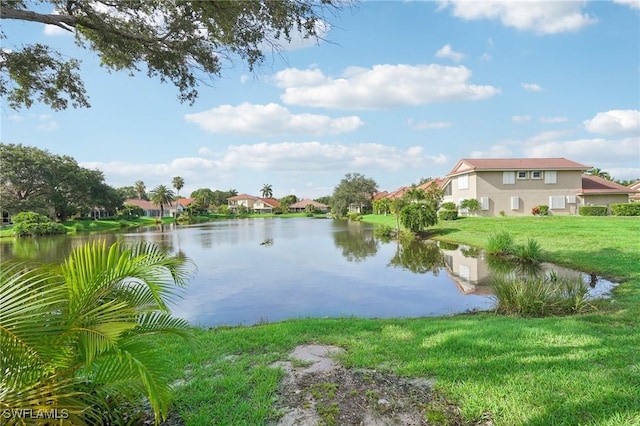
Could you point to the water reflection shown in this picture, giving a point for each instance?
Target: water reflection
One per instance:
(418, 257)
(252, 270)
(357, 242)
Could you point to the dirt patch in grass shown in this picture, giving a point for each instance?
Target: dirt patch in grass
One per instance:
(318, 391)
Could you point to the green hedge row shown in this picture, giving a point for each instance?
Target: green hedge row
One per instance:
(626, 209)
(448, 214)
(593, 210)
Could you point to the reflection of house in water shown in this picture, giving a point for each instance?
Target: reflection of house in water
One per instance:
(467, 269)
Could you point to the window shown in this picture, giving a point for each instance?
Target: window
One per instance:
(536, 174)
(484, 203)
(447, 189)
(572, 199)
(463, 182)
(515, 203)
(550, 177)
(556, 202)
(508, 178)
(522, 175)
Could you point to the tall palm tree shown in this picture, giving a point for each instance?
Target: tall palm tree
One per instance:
(140, 189)
(266, 191)
(600, 173)
(74, 337)
(162, 196)
(178, 184)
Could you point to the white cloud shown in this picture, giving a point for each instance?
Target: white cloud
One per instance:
(496, 151)
(316, 156)
(424, 125)
(46, 123)
(593, 150)
(485, 57)
(382, 86)
(447, 52)
(616, 121)
(531, 87)
(519, 119)
(542, 17)
(269, 120)
(553, 119)
(14, 117)
(634, 4)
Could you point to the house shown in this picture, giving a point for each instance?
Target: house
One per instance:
(301, 206)
(635, 186)
(178, 207)
(252, 203)
(514, 186)
(149, 209)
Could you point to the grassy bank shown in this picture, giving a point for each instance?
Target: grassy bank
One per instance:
(580, 370)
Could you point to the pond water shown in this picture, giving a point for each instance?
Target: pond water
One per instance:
(265, 270)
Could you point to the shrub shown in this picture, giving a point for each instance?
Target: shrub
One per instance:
(75, 337)
(592, 210)
(448, 214)
(472, 204)
(449, 205)
(354, 216)
(385, 232)
(625, 209)
(31, 224)
(416, 217)
(539, 297)
(541, 210)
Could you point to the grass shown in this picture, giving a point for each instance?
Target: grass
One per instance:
(575, 370)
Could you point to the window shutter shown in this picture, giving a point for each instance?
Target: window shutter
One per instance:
(508, 178)
(550, 177)
(515, 203)
(463, 182)
(484, 202)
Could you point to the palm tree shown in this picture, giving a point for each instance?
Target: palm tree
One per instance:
(600, 173)
(162, 196)
(178, 184)
(74, 337)
(266, 191)
(140, 189)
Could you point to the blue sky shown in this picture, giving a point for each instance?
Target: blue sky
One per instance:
(397, 92)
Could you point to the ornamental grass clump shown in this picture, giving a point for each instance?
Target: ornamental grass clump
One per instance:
(502, 245)
(540, 296)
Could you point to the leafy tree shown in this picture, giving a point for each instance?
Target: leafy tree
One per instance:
(75, 337)
(32, 179)
(162, 196)
(382, 206)
(204, 196)
(266, 191)
(141, 190)
(178, 183)
(417, 217)
(232, 192)
(127, 192)
(178, 41)
(600, 173)
(415, 194)
(326, 200)
(354, 188)
(286, 201)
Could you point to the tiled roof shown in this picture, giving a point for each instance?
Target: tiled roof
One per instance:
(143, 204)
(486, 164)
(243, 197)
(270, 202)
(304, 203)
(597, 185)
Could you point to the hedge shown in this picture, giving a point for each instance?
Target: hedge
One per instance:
(625, 209)
(593, 210)
(448, 214)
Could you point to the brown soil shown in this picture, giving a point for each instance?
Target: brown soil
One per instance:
(318, 391)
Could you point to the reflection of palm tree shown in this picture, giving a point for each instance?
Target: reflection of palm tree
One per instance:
(162, 196)
(266, 191)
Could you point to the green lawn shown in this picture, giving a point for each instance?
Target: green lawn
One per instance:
(580, 370)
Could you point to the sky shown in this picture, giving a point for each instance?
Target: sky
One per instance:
(396, 91)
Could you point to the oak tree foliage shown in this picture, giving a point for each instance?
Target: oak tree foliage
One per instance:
(184, 42)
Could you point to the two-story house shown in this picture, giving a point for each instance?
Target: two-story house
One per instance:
(513, 186)
(252, 203)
